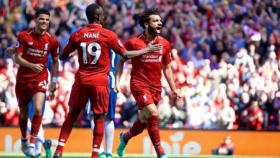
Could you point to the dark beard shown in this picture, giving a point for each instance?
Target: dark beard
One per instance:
(152, 31)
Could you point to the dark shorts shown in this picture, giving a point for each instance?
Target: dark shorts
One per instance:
(98, 96)
(26, 91)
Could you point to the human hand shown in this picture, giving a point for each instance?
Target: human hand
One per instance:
(117, 88)
(152, 47)
(176, 94)
(37, 67)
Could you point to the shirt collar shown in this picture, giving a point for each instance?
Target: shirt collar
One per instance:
(94, 25)
(142, 36)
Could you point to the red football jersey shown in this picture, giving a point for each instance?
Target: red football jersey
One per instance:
(35, 49)
(93, 43)
(147, 68)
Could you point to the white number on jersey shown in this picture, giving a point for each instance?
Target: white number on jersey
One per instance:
(87, 49)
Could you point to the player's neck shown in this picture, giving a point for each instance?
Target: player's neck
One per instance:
(149, 37)
(95, 23)
(39, 31)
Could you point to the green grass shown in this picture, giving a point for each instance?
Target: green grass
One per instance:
(83, 155)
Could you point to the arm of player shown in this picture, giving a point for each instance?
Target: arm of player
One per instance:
(68, 49)
(22, 62)
(167, 71)
(54, 79)
(150, 48)
(119, 74)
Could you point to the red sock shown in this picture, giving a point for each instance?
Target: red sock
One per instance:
(35, 126)
(65, 131)
(98, 133)
(136, 129)
(23, 126)
(153, 130)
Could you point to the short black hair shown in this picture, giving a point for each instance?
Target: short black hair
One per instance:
(93, 12)
(145, 17)
(42, 11)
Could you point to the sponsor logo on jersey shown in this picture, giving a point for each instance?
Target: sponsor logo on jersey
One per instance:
(145, 97)
(46, 46)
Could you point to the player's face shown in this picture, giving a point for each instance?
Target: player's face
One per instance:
(154, 25)
(43, 21)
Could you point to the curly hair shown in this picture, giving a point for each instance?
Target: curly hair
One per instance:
(145, 17)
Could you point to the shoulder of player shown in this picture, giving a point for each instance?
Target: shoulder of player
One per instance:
(162, 39)
(134, 39)
(107, 32)
(52, 38)
(25, 33)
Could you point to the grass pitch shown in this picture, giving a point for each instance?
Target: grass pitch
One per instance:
(86, 155)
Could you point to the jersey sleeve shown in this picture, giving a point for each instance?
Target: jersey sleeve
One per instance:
(167, 54)
(55, 48)
(21, 44)
(70, 46)
(116, 44)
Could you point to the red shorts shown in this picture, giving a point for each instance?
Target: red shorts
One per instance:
(146, 96)
(98, 96)
(25, 91)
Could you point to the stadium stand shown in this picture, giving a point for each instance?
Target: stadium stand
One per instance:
(226, 59)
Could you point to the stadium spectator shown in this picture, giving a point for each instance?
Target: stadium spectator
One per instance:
(225, 148)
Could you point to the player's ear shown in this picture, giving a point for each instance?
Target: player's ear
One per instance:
(146, 25)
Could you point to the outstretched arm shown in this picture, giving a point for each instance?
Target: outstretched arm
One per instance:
(150, 48)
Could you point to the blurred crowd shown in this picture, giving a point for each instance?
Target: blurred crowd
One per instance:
(226, 58)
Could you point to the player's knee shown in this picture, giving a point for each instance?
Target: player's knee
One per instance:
(151, 111)
(38, 111)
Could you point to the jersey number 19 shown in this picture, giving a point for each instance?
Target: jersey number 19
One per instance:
(87, 50)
